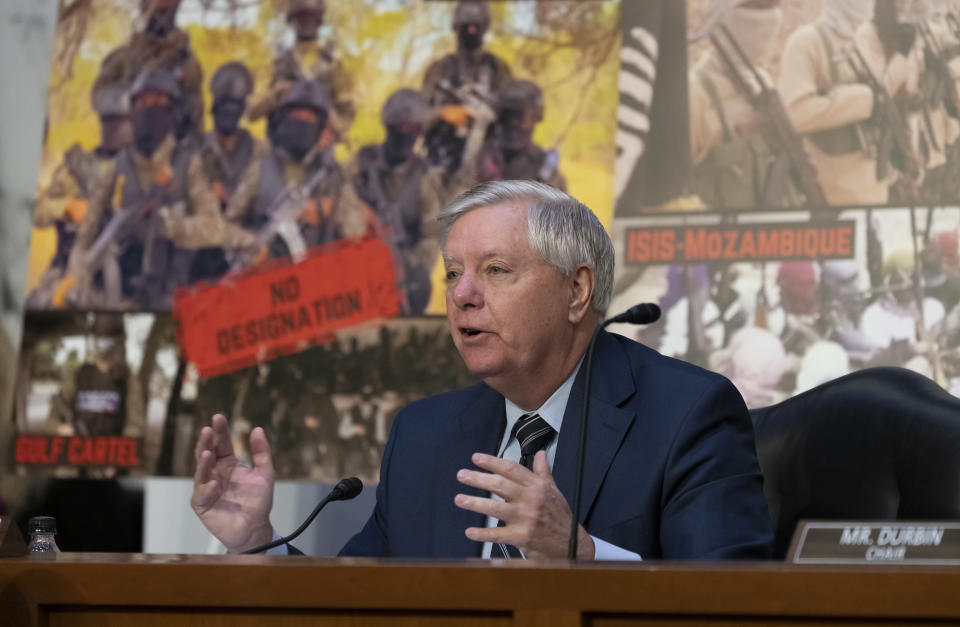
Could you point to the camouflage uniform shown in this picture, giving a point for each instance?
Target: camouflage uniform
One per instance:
(522, 98)
(64, 203)
(309, 60)
(171, 52)
(181, 212)
(451, 80)
(334, 210)
(405, 198)
(225, 159)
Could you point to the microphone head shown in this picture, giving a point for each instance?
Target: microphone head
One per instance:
(347, 489)
(644, 313)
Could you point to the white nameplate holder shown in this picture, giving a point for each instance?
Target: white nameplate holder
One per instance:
(876, 542)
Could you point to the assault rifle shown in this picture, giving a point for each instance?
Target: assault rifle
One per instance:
(954, 24)
(937, 60)
(894, 130)
(479, 90)
(284, 213)
(389, 224)
(791, 158)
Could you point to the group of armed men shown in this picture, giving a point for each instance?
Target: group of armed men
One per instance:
(864, 111)
(160, 203)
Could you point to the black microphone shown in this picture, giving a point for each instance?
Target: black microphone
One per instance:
(344, 491)
(644, 313)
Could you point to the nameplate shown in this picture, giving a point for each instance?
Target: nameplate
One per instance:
(917, 543)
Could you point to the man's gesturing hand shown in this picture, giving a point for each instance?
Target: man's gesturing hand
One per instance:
(233, 501)
(535, 513)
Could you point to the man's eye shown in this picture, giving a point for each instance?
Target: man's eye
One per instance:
(497, 270)
(452, 275)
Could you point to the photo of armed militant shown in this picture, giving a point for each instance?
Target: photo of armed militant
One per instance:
(297, 196)
(405, 193)
(745, 151)
(64, 202)
(509, 151)
(158, 43)
(149, 210)
(309, 58)
(227, 151)
(460, 83)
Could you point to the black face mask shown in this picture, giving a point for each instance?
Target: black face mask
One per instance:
(150, 127)
(470, 36)
(399, 145)
(226, 116)
(516, 132)
(296, 137)
(161, 22)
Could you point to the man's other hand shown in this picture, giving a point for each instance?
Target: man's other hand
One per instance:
(535, 512)
(233, 501)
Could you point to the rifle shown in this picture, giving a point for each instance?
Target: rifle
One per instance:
(938, 61)
(391, 229)
(894, 130)
(778, 130)
(222, 161)
(284, 212)
(102, 255)
(954, 24)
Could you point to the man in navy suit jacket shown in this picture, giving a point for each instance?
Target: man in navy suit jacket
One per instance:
(671, 470)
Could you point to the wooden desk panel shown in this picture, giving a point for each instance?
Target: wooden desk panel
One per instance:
(121, 589)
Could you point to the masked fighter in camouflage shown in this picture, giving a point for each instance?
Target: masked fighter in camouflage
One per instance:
(157, 43)
(509, 151)
(148, 211)
(452, 82)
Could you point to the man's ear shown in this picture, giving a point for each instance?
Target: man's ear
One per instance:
(581, 284)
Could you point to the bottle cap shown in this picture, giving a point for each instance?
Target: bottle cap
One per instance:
(42, 524)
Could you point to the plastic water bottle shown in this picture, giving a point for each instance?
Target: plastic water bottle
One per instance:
(42, 529)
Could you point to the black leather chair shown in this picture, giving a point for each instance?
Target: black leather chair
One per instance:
(877, 444)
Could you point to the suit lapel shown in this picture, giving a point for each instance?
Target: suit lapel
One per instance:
(479, 429)
(608, 424)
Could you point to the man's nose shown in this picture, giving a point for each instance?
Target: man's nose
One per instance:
(468, 291)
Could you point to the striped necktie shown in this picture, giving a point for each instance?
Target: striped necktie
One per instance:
(534, 434)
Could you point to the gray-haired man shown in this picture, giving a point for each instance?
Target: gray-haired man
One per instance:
(671, 470)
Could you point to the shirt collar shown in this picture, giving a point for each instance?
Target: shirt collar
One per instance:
(552, 410)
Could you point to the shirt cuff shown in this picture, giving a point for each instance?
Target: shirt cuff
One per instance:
(611, 552)
(280, 549)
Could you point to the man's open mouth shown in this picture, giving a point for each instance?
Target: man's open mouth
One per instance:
(469, 332)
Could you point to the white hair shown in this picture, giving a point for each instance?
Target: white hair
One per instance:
(561, 229)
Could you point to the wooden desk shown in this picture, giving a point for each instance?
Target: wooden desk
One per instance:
(242, 591)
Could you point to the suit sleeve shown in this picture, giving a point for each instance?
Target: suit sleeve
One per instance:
(371, 541)
(713, 502)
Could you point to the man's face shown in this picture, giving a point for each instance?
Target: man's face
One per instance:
(226, 115)
(516, 128)
(306, 24)
(470, 35)
(508, 310)
(154, 117)
(161, 15)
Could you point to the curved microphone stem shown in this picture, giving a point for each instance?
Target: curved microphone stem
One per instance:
(582, 450)
(300, 529)
(644, 313)
(344, 491)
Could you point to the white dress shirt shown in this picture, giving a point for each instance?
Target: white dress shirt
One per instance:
(552, 411)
